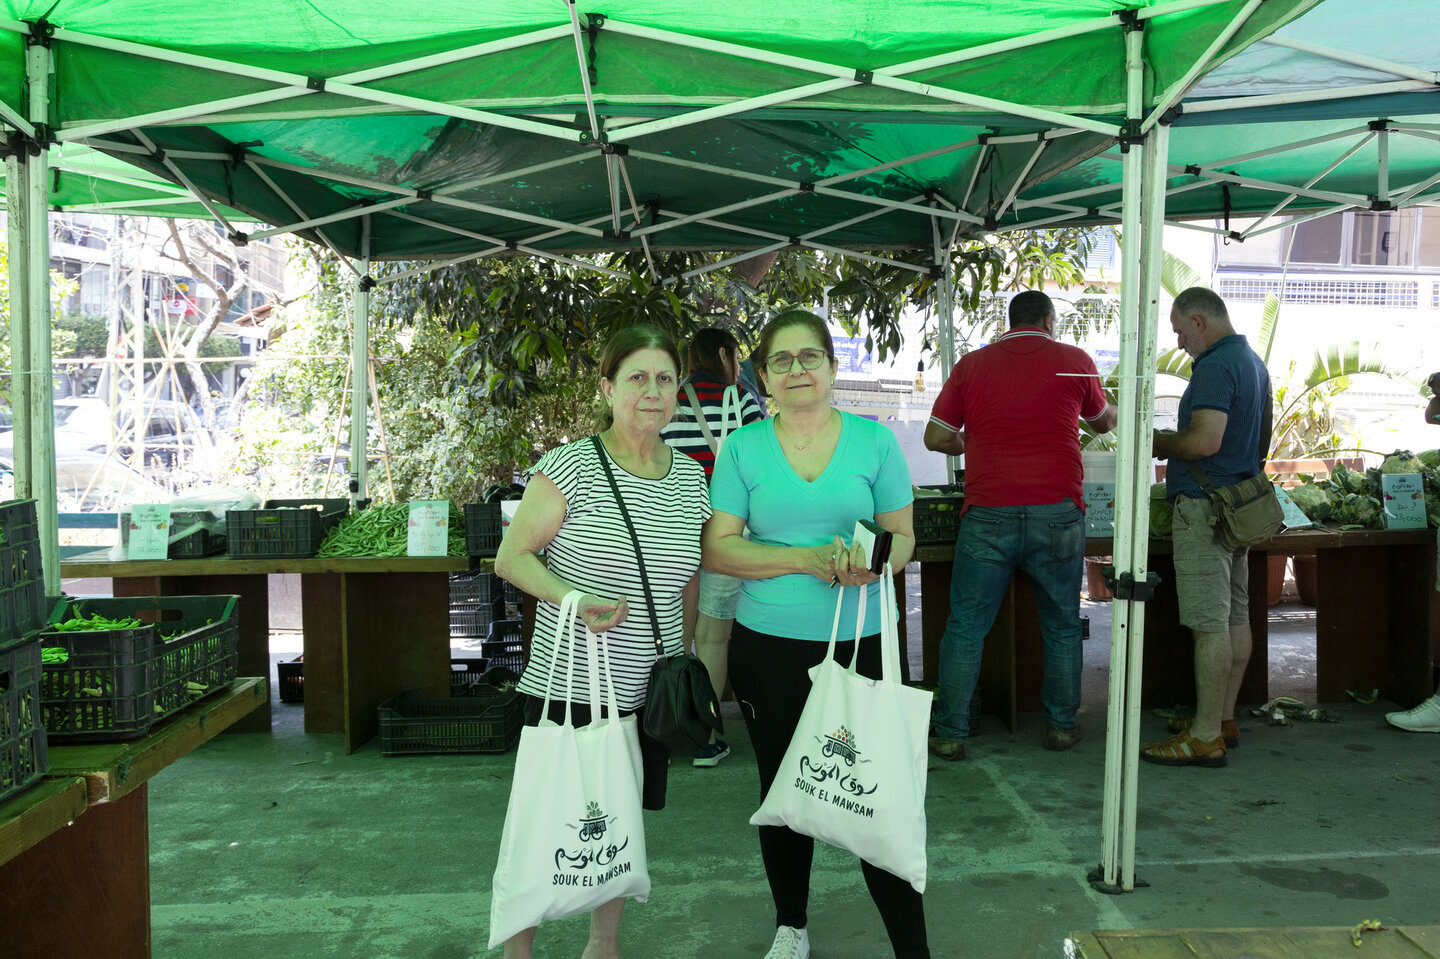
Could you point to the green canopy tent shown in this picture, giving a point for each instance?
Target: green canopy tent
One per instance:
(541, 128)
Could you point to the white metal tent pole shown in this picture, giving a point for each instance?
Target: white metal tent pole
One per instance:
(945, 319)
(1125, 469)
(360, 368)
(1157, 148)
(40, 382)
(17, 180)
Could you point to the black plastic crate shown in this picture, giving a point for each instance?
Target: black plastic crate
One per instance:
(412, 723)
(512, 593)
(195, 544)
(476, 587)
(22, 579)
(937, 518)
(285, 528)
(103, 689)
(471, 622)
(24, 753)
(482, 529)
(116, 683)
(290, 680)
(465, 676)
(506, 631)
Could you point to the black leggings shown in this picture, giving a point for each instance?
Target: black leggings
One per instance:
(769, 674)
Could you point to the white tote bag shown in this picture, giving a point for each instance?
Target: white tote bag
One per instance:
(854, 773)
(573, 837)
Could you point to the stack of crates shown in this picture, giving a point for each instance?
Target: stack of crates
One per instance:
(485, 610)
(24, 754)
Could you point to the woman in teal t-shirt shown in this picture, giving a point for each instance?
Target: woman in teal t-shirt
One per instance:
(800, 480)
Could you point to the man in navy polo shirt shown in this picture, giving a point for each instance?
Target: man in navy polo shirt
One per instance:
(1224, 429)
(1013, 408)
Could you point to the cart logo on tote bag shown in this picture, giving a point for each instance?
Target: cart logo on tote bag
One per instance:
(571, 864)
(828, 779)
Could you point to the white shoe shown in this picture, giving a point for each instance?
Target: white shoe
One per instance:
(1424, 718)
(790, 943)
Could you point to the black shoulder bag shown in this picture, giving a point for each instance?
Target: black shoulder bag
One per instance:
(681, 707)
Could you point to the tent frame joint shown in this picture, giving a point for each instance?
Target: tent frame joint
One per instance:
(367, 283)
(1379, 126)
(238, 237)
(614, 149)
(617, 236)
(1130, 21)
(1125, 587)
(1132, 132)
(42, 33)
(315, 83)
(1378, 205)
(865, 77)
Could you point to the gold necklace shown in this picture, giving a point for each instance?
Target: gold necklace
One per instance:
(810, 442)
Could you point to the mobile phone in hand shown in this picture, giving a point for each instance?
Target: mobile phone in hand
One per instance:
(877, 542)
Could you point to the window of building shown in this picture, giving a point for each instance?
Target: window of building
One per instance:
(1362, 241)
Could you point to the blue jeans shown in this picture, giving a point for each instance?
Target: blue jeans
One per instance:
(1048, 543)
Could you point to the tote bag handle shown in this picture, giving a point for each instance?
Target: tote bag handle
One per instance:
(889, 635)
(596, 649)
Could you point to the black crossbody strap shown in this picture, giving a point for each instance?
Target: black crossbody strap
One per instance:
(1201, 477)
(639, 560)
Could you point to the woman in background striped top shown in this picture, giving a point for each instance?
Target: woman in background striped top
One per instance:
(714, 362)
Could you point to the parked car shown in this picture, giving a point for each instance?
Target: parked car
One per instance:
(175, 441)
(86, 482)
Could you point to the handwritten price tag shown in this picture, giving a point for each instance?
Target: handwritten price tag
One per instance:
(149, 531)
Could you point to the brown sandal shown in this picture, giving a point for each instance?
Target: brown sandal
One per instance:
(1182, 749)
(1228, 729)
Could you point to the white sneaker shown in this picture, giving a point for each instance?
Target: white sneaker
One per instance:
(790, 943)
(1424, 718)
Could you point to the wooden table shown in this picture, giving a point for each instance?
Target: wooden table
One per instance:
(372, 626)
(75, 849)
(1376, 622)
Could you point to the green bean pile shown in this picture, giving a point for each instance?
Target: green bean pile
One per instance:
(383, 530)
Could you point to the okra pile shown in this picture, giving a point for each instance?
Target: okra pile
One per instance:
(383, 530)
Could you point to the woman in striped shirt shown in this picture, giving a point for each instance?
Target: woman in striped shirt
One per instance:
(710, 407)
(570, 512)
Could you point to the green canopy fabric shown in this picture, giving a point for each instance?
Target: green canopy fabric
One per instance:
(495, 126)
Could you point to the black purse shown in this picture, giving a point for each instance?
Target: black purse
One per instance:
(681, 707)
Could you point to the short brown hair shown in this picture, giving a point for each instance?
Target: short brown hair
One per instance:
(620, 346)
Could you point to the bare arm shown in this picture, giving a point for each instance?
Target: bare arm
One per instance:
(942, 439)
(1106, 421)
(1196, 441)
(536, 523)
(724, 550)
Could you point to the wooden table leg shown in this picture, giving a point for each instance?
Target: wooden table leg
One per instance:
(254, 615)
(1352, 617)
(85, 890)
(934, 612)
(1408, 680)
(396, 636)
(322, 624)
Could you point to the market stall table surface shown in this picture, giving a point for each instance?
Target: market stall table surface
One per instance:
(75, 848)
(1376, 620)
(372, 625)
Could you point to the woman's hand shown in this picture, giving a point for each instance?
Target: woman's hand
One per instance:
(850, 568)
(820, 560)
(600, 615)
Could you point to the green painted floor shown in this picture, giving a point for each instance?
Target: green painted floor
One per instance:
(282, 846)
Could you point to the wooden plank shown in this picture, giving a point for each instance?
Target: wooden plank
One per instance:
(1251, 943)
(1144, 944)
(1335, 942)
(396, 636)
(48, 806)
(1353, 589)
(1407, 680)
(997, 682)
(1424, 938)
(97, 563)
(85, 891)
(113, 770)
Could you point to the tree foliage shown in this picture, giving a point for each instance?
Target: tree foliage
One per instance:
(483, 365)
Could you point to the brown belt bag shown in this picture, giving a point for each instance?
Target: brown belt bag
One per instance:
(1245, 512)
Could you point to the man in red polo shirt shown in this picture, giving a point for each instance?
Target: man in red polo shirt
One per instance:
(1013, 408)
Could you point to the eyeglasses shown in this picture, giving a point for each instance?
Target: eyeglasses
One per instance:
(781, 363)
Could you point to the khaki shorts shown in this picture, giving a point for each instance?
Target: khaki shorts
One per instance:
(1211, 579)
